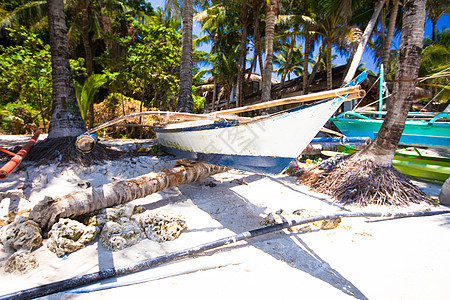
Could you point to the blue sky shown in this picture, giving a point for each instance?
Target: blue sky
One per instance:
(443, 22)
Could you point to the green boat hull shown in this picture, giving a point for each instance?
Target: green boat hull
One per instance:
(418, 133)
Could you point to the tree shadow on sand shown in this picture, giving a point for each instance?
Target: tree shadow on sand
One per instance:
(279, 244)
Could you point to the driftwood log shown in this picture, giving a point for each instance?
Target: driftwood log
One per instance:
(49, 210)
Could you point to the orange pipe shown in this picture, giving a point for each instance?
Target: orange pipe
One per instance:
(8, 152)
(17, 159)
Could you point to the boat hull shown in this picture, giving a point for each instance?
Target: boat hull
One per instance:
(263, 146)
(416, 133)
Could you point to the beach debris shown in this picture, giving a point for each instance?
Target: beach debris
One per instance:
(120, 235)
(21, 262)
(13, 203)
(444, 196)
(22, 234)
(68, 235)
(282, 216)
(330, 223)
(161, 226)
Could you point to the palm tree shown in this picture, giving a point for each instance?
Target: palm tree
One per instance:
(385, 144)
(185, 101)
(390, 33)
(435, 63)
(272, 7)
(435, 9)
(362, 44)
(289, 61)
(243, 20)
(333, 24)
(368, 176)
(66, 120)
(256, 5)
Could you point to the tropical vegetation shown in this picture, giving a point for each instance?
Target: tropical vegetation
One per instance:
(129, 47)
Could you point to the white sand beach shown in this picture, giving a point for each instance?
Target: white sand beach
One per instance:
(363, 258)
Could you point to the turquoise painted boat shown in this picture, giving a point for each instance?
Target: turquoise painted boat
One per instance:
(411, 162)
(421, 129)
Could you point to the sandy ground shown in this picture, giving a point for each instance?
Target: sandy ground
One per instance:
(405, 258)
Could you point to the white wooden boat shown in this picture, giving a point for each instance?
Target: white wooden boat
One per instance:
(262, 145)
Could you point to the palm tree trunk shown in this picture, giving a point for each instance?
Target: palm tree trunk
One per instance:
(305, 63)
(316, 64)
(256, 37)
(390, 33)
(433, 32)
(242, 52)
(329, 66)
(288, 59)
(48, 211)
(214, 97)
(385, 144)
(66, 120)
(89, 56)
(185, 101)
(366, 35)
(271, 12)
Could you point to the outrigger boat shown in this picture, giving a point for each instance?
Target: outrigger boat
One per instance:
(266, 144)
(421, 129)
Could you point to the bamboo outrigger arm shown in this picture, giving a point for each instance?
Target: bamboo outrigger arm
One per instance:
(353, 92)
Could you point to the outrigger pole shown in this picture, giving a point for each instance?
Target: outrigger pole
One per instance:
(72, 283)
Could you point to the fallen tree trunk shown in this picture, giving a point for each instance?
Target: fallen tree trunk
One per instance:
(48, 211)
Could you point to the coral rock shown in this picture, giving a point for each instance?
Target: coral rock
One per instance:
(444, 196)
(118, 236)
(11, 205)
(330, 223)
(161, 227)
(69, 235)
(23, 261)
(119, 213)
(21, 234)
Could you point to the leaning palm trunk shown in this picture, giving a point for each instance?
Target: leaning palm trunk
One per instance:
(368, 177)
(366, 35)
(49, 210)
(271, 12)
(66, 120)
(185, 101)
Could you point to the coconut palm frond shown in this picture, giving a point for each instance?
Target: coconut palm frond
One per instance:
(30, 13)
(86, 93)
